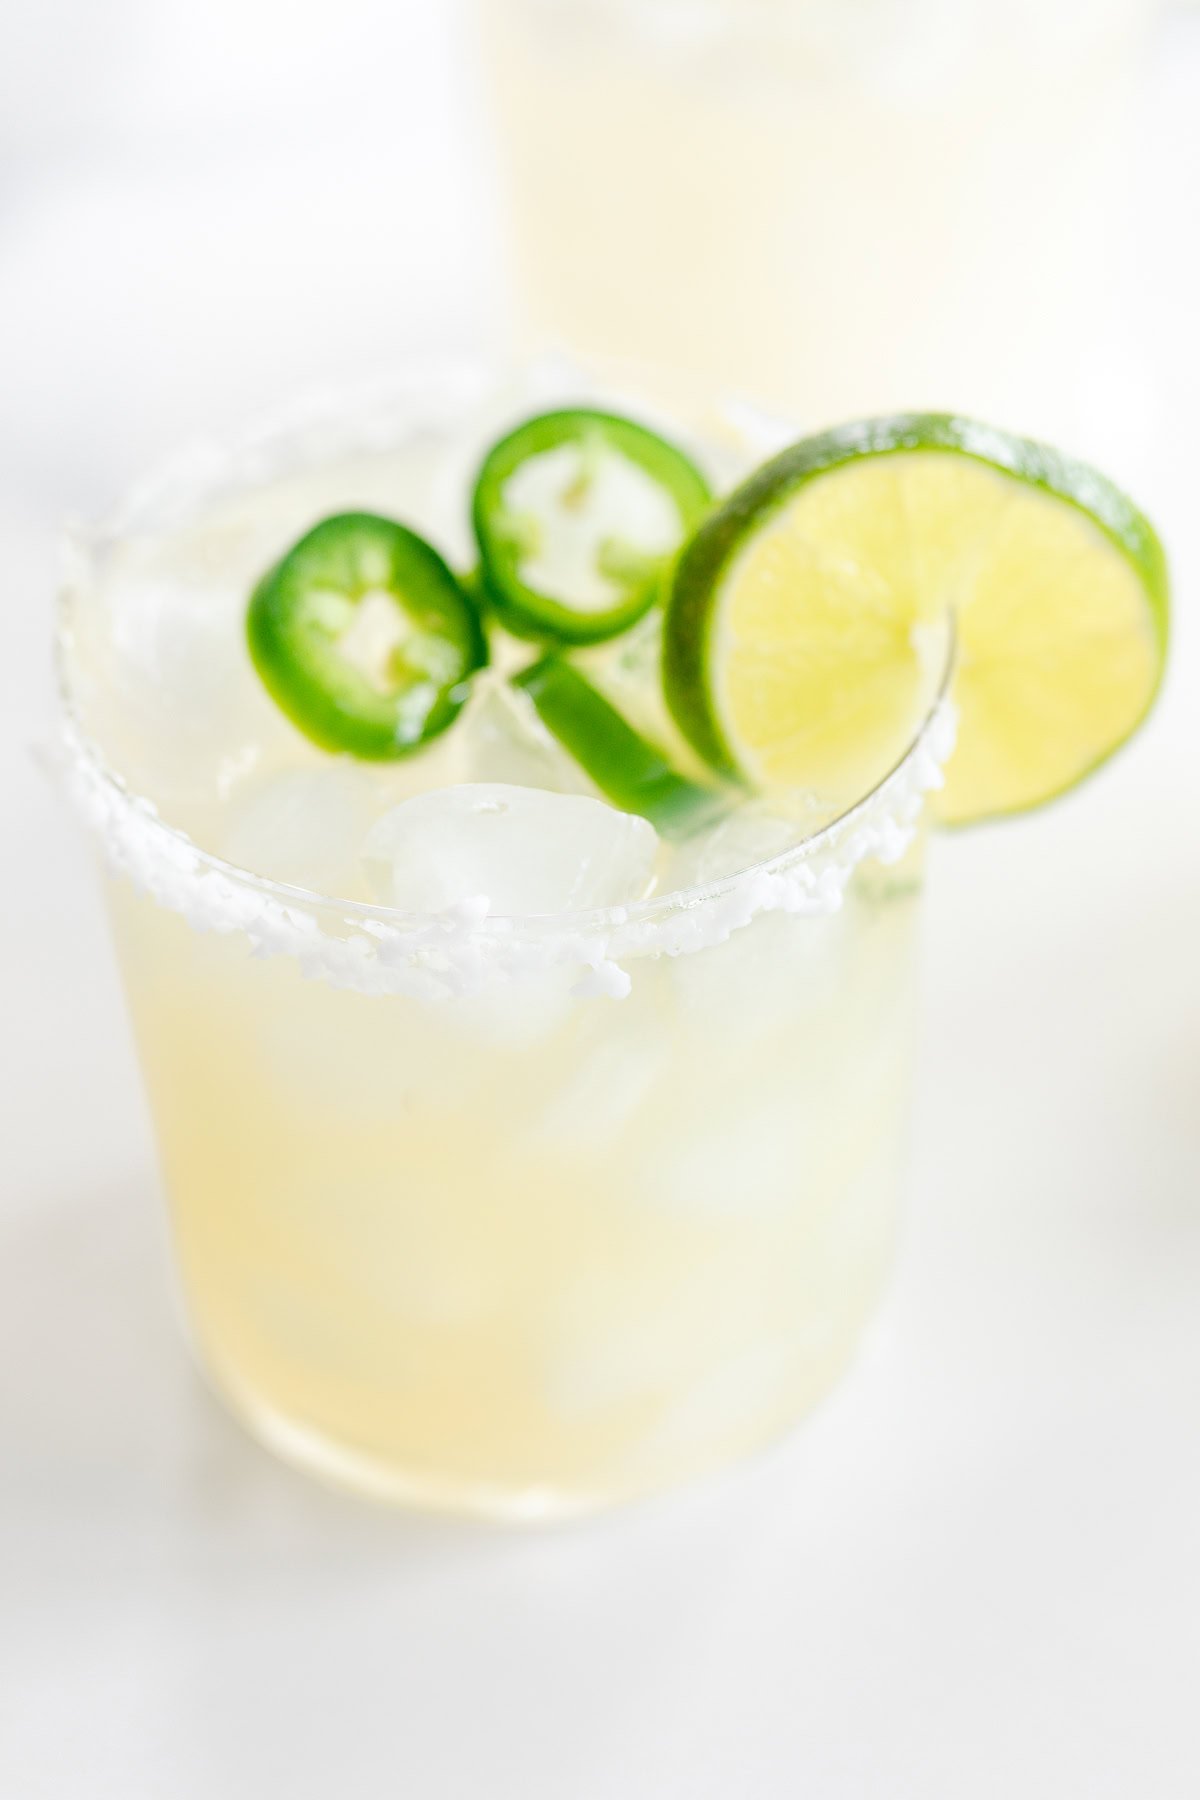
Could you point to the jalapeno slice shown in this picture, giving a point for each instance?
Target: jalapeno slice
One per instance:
(577, 515)
(627, 768)
(364, 637)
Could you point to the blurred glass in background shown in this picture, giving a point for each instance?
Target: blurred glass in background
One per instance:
(837, 206)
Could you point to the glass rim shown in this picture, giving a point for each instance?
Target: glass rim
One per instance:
(894, 798)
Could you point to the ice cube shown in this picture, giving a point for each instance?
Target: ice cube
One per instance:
(627, 670)
(524, 850)
(751, 834)
(756, 432)
(168, 688)
(304, 827)
(501, 738)
(607, 1082)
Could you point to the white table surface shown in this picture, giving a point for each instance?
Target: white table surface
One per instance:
(976, 1572)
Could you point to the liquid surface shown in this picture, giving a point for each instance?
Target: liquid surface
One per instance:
(165, 687)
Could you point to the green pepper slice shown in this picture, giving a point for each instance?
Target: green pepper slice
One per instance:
(627, 768)
(364, 637)
(577, 515)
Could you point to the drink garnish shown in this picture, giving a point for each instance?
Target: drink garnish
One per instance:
(364, 637)
(577, 515)
(627, 768)
(796, 637)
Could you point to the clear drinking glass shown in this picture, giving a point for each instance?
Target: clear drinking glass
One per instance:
(518, 1217)
(849, 206)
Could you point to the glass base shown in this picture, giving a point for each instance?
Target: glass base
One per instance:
(342, 1467)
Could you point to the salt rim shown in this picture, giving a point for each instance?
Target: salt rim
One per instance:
(380, 950)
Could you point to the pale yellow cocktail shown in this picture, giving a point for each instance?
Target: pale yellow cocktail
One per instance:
(839, 206)
(515, 1217)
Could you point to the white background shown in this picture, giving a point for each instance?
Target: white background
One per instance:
(977, 1572)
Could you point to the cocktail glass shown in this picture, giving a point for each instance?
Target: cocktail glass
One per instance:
(511, 1216)
(849, 206)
